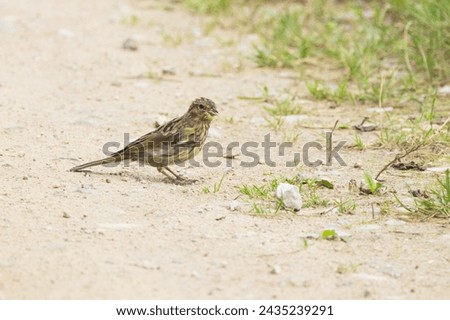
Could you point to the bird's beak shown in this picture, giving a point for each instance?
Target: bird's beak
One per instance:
(214, 112)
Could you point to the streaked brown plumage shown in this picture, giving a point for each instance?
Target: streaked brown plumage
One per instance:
(172, 143)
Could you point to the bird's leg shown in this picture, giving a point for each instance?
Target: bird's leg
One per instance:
(180, 179)
(163, 171)
(176, 175)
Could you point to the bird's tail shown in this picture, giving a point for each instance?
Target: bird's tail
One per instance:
(95, 163)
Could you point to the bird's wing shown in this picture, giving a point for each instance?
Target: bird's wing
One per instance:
(188, 139)
(163, 140)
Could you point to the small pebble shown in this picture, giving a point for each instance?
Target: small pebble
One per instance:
(130, 44)
(235, 205)
(169, 70)
(66, 215)
(276, 269)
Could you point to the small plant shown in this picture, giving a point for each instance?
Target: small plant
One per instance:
(274, 122)
(254, 191)
(218, 185)
(209, 6)
(283, 107)
(230, 120)
(289, 136)
(259, 209)
(386, 207)
(435, 202)
(205, 189)
(320, 91)
(329, 234)
(132, 20)
(373, 185)
(263, 196)
(173, 39)
(312, 198)
(359, 144)
(346, 207)
(317, 90)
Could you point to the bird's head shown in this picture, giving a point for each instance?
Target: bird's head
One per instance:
(203, 109)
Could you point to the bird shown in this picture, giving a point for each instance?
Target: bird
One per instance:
(174, 142)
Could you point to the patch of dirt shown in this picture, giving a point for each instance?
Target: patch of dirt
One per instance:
(67, 86)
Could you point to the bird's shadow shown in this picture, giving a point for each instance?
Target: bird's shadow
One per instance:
(139, 177)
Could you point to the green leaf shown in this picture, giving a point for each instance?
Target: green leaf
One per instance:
(329, 234)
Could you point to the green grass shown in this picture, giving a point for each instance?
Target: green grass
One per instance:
(384, 50)
(329, 234)
(313, 200)
(262, 196)
(346, 207)
(321, 91)
(283, 107)
(209, 6)
(373, 185)
(403, 134)
(310, 195)
(436, 200)
(216, 187)
(359, 144)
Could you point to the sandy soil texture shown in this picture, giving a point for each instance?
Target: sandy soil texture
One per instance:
(67, 86)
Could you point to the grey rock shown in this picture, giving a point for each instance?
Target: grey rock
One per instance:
(169, 70)
(130, 44)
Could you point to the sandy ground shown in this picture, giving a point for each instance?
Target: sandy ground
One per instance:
(67, 87)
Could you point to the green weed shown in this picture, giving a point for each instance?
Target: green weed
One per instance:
(435, 202)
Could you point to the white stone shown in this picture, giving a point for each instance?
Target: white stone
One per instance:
(290, 195)
(445, 90)
(235, 205)
(276, 269)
